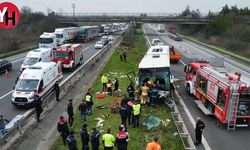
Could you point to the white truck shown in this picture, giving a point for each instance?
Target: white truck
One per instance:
(108, 29)
(47, 40)
(64, 35)
(161, 28)
(36, 55)
(37, 79)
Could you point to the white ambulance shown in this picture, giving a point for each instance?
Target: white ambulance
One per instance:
(36, 55)
(41, 78)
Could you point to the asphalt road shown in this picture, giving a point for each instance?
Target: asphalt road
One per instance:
(7, 84)
(218, 138)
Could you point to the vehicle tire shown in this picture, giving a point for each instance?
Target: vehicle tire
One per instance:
(73, 67)
(188, 89)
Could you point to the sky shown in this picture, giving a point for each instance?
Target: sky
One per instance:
(128, 6)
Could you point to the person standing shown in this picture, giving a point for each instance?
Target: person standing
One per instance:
(83, 110)
(109, 87)
(198, 130)
(129, 110)
(153, 95)
(89, 102)
(57, 90)
(70, 111)
(104, 81)
(116, 87)
(38, 106)
(71, 141)
(123, 114)
(84, 137)
(62, 128)
(144, 94)
(3, 123)
(95, 139)
(154, 145)
(136, 113)
(108, 140)
(121, 139)
(137, 90)
(131, 90)
(124, 55)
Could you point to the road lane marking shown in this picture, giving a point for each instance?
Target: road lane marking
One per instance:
(182, 62)
(18, 60)
(6, 94)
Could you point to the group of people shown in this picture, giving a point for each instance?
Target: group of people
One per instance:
(147, 94)
(107, 85)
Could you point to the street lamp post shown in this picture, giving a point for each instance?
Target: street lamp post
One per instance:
(73, 6)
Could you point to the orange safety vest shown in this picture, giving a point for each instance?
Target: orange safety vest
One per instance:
(153, 146)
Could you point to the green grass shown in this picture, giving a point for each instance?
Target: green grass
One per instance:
(138, 137)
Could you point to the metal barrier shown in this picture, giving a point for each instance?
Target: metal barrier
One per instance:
(181, 127)
(64, 86)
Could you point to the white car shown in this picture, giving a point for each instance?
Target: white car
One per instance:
(155, 42)
(99, 45)
(110, 38)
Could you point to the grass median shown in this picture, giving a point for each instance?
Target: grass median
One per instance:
(138, 137)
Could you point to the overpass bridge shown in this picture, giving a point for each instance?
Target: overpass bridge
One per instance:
(130, 17)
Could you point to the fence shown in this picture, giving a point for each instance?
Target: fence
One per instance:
(64, 87)
(181, 128)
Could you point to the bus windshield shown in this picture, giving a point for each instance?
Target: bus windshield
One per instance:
(159, 75)
(26, 85)
(60, 54)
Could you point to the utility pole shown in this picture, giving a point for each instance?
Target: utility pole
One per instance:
(73, 6)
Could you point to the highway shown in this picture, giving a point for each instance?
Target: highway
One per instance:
(218, 138)
(7, 84)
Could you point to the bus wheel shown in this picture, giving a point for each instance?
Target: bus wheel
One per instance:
(188, 89)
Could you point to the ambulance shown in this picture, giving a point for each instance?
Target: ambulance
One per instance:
(40, 79)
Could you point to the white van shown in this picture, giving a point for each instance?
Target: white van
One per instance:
(36, 55)
(40, 77)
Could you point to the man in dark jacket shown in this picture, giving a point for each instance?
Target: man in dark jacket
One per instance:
(62, 128)
(70, 111)
(83, 110)
(153, 95)
(84, 137)
(121, 139)
(198, 130)
(116, 87)
(95, 139)
(71, 141)
(57, 90)
(131, 90)
(123, 114)
(38, 106)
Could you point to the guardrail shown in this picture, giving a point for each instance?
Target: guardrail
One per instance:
(181, 127)
(64, 86)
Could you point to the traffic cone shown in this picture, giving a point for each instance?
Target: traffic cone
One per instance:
(6, 74)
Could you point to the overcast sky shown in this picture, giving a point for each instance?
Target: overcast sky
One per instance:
(128, 6)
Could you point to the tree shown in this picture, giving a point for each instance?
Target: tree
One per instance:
(220, 24)
(186, 12)
(225, 10)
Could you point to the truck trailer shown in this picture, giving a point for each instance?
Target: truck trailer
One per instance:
(87, 33)
(66, 35)
(173, 35)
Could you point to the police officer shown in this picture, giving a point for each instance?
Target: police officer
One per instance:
(198, 130)
(84, 137)
(70, 111)
(123, 114)
(71, 141)
(38, 106)
(57, 90)
(153, 95)
(136, 113)
(95, 139)
(63, 129)
(121, 139)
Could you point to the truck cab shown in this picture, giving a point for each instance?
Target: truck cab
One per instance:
(47, 40)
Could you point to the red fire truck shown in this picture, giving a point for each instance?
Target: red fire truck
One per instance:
(69, 55)
(220, 93)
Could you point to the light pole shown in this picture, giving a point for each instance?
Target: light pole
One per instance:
(73, 6)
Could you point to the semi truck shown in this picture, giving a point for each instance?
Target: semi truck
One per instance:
(220, 93)
(173, 35)
(47, 40)
(69, 55)
(108, 29)
(161, 28)
(66, 35)
(87, 33)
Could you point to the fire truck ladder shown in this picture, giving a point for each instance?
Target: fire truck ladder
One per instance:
(232, 110)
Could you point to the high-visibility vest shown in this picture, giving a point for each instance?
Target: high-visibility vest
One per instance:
(108, 139)
(104, 79)
(88, 98)
(136, 109)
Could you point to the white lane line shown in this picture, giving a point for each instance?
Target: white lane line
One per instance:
(182, 62)
(6, 94)
(18, 60)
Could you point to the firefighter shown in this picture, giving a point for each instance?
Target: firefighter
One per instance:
(137, 90)
(104, 81)
(57, 90)
(153, 95)
(198, 130)
(136, 113)
(121, 139)
(144, 93)
(123, 113)
(70, 111)
(154, 145)
(108, 140)
(71, 141)
(63, 129)
(95, 139)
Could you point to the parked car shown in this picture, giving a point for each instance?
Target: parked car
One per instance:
(110, 37)
(99, 45)
(5, 65)
(155, 42)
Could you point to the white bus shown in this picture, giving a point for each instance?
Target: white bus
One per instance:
(155, 67)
